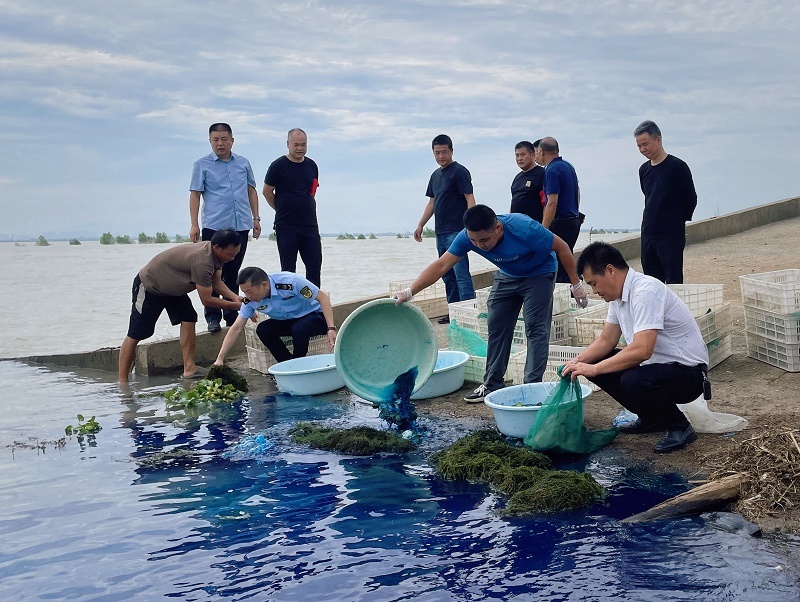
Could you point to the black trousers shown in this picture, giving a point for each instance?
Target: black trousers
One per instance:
(662, 258)
(568, 230)
(230, 273)
(304, 240)
(653, 391)
(300, 329)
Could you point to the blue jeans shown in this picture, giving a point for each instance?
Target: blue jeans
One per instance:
(458, 280)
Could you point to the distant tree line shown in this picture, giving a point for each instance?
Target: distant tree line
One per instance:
(348, 236)
(144, 239)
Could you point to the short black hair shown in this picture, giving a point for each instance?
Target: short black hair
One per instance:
(220, 127)
(647, 127)
(479, 218)
(254, 276)
(537, 143)
(226, 238)
(598, 255)
(524, 144)
(442, 139)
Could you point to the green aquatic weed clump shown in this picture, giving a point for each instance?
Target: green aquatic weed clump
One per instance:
(205, 392)
(229, 376)
(84, 427)
(527, 476)
(355, 441)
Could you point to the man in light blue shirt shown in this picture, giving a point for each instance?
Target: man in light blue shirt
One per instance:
(230, 202)
(295, 306)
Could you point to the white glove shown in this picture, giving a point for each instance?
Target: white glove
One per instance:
(581, 298)
(403, 296)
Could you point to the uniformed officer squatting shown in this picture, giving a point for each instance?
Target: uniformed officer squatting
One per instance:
(295, 306)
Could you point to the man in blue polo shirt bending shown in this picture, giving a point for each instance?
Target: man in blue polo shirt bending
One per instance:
(561, 215)
(525, 254)
(295, 306)
(227, 186)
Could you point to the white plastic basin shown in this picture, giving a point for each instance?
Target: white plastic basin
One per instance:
(448, 375)
(310, 375)
(516, 420)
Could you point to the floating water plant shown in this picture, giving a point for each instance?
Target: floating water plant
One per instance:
(229, 376)
(84, 427)
(355, 441)
(204, 393)
(527, 476)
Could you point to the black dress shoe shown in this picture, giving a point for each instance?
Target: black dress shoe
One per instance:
(213, 326)
(445, 320)
(638, 427)
(675, 439)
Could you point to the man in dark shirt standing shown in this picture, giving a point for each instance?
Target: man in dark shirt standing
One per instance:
(561, 215)
(290, 187)
(449, 196)
(669, 202)
(527, 192)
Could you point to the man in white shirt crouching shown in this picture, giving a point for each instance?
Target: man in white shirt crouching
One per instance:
(665, 361)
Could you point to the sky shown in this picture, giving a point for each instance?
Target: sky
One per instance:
(106, 104)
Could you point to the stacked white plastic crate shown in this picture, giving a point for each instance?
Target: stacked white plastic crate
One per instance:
(771, 303)
(472, 315)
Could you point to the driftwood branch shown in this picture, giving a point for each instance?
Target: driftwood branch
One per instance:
(706, 497)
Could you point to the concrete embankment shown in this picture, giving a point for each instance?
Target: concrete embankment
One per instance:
(161, 357)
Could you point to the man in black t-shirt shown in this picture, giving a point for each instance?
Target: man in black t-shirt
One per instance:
(527, 192)
(669, 202)
(449, 196)
(290, 187)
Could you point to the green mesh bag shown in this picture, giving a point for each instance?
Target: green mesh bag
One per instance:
(558, 426)
(461, 339)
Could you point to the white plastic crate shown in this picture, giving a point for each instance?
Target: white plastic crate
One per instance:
(716, 324)
(777, 291)
(590, 323)
(561, 298)
(432, 292)
(719, 350)
(260, 360)
(575, 311)
(482, 298)
(775, 353)
(770, 325)
(558, 355)
(465, 314)
(558, 330)
(475, 368)
(700, 297)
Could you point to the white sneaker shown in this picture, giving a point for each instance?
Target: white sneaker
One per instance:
(477, 395)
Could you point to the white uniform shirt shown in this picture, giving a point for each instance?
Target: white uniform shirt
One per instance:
(647, 304)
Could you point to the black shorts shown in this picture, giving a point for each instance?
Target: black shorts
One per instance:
(147, 307)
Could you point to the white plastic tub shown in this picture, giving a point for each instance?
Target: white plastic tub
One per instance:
(448, 375)
(516, 420)
(310, 375)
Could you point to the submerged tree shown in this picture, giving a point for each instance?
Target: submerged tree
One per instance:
(144, 239)
(161, 237)
(428, 233)
(74, 241)
(124, 240)
(42, 242)
(107, 239)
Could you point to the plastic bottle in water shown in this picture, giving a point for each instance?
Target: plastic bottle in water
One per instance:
(624, 417)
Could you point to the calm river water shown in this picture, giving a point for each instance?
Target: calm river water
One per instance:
(77, 298)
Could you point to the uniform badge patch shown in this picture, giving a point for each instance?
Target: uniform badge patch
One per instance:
(284, 287)
(528, 184)
(306, 292)
(262, 307)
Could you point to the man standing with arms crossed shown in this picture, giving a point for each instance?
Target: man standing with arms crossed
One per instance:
(669, 202)
(527, 192)
(230, 202)
(449, 196)
(290, 188)
(561, 215)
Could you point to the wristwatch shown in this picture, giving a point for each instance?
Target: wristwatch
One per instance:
(256, 218)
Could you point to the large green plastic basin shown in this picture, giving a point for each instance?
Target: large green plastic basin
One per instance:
(380, 341)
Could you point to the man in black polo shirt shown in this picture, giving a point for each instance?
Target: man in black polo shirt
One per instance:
(669, 202)
(527, 193)
(449, 196)
(290, 187)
